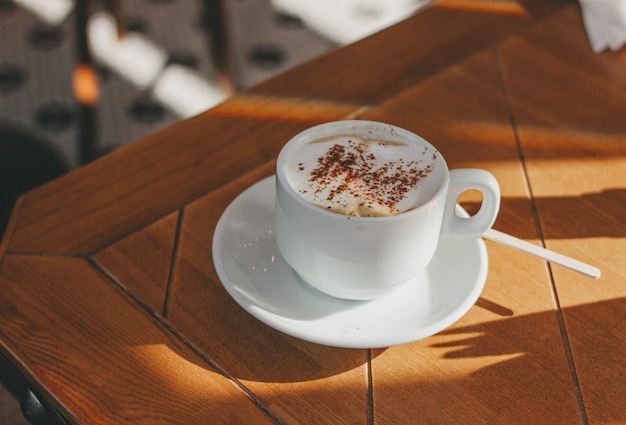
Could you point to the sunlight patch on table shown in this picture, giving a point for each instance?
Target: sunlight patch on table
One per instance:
(282, 108)
(486, 6)
(585, 176)
(175, 370)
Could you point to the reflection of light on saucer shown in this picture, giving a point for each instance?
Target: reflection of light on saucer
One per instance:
(259, 257)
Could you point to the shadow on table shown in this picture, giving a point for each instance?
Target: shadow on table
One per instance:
(521, 355)
(524, 335)
(26, 162)
(569, 217)
(536, 363)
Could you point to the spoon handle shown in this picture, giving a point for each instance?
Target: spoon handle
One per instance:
(546, 254)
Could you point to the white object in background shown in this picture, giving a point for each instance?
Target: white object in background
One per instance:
(184, 92)
(346, 21)
(52, 12)
(133, 56)
(144, 64)
(605, 22)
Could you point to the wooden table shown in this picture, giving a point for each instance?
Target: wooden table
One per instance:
(111, 309)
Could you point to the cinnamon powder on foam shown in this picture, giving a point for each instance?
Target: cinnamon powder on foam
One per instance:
(377, 186)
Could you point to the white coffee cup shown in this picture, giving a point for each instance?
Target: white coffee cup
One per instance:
(362, 258)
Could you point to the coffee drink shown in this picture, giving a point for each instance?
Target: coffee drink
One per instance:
(350, 175)
(391, 199)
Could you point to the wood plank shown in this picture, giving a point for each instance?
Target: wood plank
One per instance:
(570, 113)
(174, 173)
(100, 358)
(407, 53)
(542, 345)
(301, 382)
(141, 262)
(504, 361)
(136, 184)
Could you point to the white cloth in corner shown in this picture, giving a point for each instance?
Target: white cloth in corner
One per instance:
(605, 23)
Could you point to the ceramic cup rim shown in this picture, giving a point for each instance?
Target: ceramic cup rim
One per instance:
(304, 137)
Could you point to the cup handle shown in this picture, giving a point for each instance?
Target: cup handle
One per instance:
(466, 179)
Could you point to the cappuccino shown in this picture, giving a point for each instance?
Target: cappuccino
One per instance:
(395, 181)
(357, 177)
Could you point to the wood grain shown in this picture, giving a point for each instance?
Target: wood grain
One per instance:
(111, 307)
(141, 262)
(102, 356)
(141, 182)
(570, 118)
(483, 350)
(296, 379)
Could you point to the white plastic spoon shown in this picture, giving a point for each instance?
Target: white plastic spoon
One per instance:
(551, 256)
(546, 254)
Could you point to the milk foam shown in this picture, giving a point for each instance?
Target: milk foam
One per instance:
(357, 177)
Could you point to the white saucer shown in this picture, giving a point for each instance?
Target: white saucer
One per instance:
(259, 280)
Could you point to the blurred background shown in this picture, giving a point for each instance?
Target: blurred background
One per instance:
(162, 65)
(80, 78)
